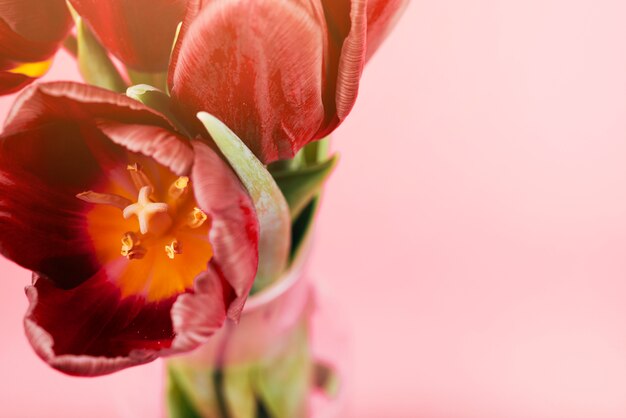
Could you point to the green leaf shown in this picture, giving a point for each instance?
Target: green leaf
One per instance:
(178, 404)
(94, 62)
(239, 393)
(158, 80)
(271, 207)
(301, 186)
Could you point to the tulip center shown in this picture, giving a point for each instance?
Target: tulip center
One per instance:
(160, 231)
(154, 217)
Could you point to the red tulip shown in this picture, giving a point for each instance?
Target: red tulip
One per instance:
(138, 32)
(30, 33)
(141, 241)
(280, 74)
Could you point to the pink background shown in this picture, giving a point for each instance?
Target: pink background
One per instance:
(474, 233)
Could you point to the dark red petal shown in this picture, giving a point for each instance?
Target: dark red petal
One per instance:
(43, 228)
(139, 32)
(234, 226)
(257, 67)
(11, 83)
(90, 330)
(381, 17)
(36, 20)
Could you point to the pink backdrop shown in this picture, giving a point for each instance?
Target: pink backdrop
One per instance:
(474, 233)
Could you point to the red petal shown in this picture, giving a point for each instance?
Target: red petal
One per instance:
(45, 21)
(347, 26)
(67, 101)
(234, 227)
(16, 49)
(11, 83)
(257, 67)
(381, 17)
(139, 32)
(90, 330)
(165, 146)
(42, 228)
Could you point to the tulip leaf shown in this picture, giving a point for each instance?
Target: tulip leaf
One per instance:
(158, 80)
(239, 393)
(271, 207)
(94, 62)
(301, 186)
(178, 404)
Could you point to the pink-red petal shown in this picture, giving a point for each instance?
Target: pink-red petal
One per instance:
(36, 20)
(257, 67)
(139, 32)
(381, 18)
(234, 231)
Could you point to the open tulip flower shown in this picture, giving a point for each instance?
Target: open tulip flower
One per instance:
(30, 33)
(141, 241)
(279, 74)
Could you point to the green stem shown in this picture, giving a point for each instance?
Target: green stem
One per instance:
(219, 375)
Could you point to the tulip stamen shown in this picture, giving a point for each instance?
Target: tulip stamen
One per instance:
(131, 247)
(104, 199)
(179, 187)
(196, 219)
(153, 217)
(140, 179)
(173, 249)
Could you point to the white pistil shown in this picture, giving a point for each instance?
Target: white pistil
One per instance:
(153, 217)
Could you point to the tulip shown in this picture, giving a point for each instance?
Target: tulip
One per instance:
(30, 33)
(280, 74)
(141, 241)
(140, 33)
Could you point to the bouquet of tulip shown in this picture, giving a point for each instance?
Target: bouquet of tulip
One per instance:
(181, 178)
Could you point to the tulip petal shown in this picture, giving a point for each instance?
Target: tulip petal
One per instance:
(382, 15)
(90, 330)
(139, 32)
(234, 230)
(11, 83)
(67, 102)
(165, 146)
(261, 78)
(37, 20)
(42, 228)
(347, 25)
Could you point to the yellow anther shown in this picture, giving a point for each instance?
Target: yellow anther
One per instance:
(173, 249)
(131, 246)
(179, 187)
(182, 182)
(197, 218)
